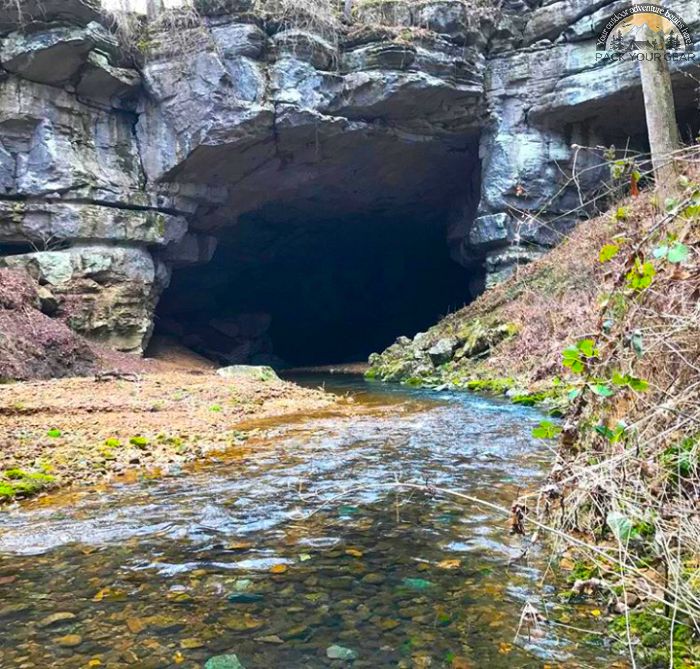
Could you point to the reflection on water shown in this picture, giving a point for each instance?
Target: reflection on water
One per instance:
(296, 546)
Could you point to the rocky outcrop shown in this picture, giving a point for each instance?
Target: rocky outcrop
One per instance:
(121, 161)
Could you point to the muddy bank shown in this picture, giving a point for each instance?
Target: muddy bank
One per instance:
(84, 430)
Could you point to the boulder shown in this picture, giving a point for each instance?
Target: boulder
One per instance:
(229, 661)
(442, 351)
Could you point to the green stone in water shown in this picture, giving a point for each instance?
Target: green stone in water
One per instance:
(347, 510)
(416, 583)
(230, 661)
(244, 597)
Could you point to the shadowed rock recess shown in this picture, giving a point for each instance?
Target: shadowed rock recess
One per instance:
(270, 188)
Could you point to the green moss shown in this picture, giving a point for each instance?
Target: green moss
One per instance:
(583, 571)
(651, 632)
(19, 483)
(492, 386)
(7, 492)
(478, 337)
(139, 442)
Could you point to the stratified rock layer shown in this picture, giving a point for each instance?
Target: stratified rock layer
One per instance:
(121, 162)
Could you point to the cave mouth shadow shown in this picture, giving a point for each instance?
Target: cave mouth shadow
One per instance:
(289, 289)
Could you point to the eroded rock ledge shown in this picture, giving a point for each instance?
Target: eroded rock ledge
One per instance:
(123, 161)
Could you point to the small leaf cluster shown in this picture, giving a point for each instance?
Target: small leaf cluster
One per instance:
(576, 357)
(546, 430)
(641, 275)
(675, 253)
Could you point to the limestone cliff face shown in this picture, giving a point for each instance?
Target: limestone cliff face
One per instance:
(121, 163)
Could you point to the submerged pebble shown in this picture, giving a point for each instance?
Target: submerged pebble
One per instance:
(340, 653)
(229, 661)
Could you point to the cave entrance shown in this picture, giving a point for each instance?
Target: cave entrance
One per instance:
(329, 244)
(313, 291)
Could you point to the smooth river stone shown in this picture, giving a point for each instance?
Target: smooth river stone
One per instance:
(229, 661)
(340, 653)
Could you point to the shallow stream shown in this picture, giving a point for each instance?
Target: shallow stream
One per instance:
(297, 545)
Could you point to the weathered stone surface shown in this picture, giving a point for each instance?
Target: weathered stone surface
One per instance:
(380, 56)
(53, 56)
(442, 351)
(553, 19)
(306, 46)
(502, 263)
(99, 80)
(164, 153)
(192, 249)
(53, 143)
(489, 230)
(384, 12)
(81, 12)
(107, 292)
(240, 39)
(49, 222)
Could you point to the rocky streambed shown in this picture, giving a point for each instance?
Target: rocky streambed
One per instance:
(296, 551)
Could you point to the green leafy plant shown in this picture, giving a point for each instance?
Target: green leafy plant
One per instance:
(641, 275)
(675, 253)
(612, 435)
(601, 389)
(608, 252)
(681, 460)
(632, 382)
(622, 214)
(576, 357)
(620, 525)
(546, 430)
(139, 442)
(54, 433)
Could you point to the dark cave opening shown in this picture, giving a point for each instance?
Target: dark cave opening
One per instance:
(285, 288)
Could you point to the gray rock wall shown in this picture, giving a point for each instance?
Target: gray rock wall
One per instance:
(120, 162)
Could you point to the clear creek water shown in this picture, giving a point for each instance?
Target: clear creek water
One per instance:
(296, 545)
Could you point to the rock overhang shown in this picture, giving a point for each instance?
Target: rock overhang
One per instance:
(410, 110)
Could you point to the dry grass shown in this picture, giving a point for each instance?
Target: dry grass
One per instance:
(627, 477)
(320, 17)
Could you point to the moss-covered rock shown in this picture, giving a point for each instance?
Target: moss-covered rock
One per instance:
(16, 483)
(437, 356)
